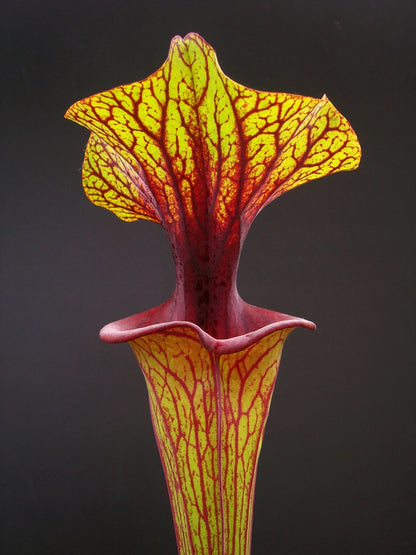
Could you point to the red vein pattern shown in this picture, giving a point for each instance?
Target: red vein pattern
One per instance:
(193, 150)
(201, 154)
(209, 412)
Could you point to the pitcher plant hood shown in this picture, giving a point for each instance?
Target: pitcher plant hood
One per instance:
(193, 150)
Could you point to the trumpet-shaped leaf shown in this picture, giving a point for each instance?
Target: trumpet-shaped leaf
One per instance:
(193, 150)
(209, 411)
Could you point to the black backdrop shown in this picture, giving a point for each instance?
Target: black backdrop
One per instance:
(79, 468)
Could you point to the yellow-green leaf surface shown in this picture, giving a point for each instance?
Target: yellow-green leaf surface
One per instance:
(192, 149)
(209, 411)
(189, 146)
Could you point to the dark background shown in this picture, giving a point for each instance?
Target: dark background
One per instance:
(79, 469)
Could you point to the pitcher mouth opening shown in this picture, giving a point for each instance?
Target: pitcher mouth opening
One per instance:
(146, 323)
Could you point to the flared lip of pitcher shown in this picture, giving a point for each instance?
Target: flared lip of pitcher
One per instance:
(129, 329)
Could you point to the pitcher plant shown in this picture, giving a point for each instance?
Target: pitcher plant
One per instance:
(200, 154)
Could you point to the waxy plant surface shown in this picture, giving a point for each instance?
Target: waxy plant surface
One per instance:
(201, 155)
